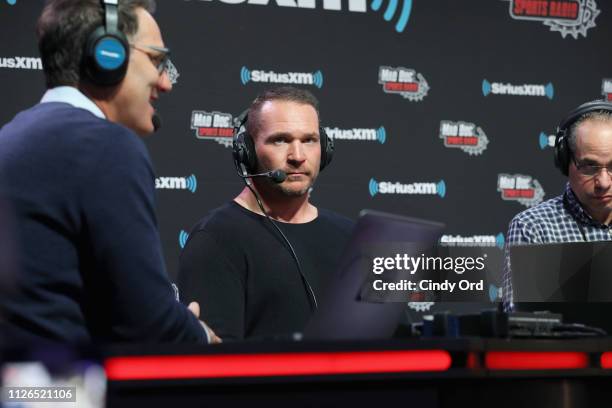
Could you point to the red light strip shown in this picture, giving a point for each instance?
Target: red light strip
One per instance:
(606, 360)
(535, 360)
(281, 364)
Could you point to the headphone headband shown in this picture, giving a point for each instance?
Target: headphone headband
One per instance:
(563, 153)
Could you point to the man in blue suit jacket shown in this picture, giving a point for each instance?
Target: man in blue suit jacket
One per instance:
(82, 185)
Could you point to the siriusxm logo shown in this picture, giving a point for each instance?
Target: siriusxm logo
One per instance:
(182, 238)
(387, 187)
(545, 140)
(379, 135)
(495, 293)
(497, 88)
(606, 89)
(356, 6)
(473, 241)
(177, 183)
(299, 78)
(390, 11)
(21, 63)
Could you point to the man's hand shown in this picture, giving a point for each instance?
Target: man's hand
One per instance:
(195, 309)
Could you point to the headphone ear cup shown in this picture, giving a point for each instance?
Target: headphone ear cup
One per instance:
(327, 148)
(106, 57)
(562, 153)
(243, 151)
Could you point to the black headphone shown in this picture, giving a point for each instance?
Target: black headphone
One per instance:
(107, 52)
(243, 147)
(563, 153)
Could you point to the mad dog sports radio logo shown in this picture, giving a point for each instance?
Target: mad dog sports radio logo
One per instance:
(606, 89)
(464, 136)
(568, 17)
(217, 126)
(403, 81)
(353, 6)
(358, 134)
(498, 88)
(523, 189)
(271, 77)
(189, 183)
(473, 241)
(389, 187)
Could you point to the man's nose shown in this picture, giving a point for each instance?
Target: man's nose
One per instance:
(163, 83)
(296, 151)
(603, 180)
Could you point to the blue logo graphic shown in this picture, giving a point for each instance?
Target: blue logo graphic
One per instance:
(486, 87)
(391, 9)
(192, 183)
(500, 240)
(441, 188)
(381, 135)
(11, 2)
(543, 139)
(373, 187)
(494, 293)
(183, 235)
(550, 91)
(318, 79)
(245, 75)
(415, 188)
(110, 54)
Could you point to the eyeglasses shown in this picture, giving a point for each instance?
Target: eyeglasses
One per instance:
(159, 60)
(591, 170)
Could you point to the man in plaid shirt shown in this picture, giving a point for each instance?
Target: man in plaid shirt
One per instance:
(583, 152)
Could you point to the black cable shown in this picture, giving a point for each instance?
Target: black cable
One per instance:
(309, 289)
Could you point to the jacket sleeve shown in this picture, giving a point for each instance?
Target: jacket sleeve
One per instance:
(134, 298)
(207, 276)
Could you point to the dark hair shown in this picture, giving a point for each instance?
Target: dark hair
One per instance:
(64, 27)
(282, 93)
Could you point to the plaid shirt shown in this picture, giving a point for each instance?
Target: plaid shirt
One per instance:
(552, 221)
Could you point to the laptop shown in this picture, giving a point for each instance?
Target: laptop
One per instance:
(348, 310)
(574, 279)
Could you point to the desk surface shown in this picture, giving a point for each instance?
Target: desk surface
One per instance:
(430, 373)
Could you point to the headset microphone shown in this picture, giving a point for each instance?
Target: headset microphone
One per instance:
(277, 176)
(156, 119)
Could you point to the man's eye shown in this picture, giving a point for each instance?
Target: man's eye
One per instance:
(156, 60)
